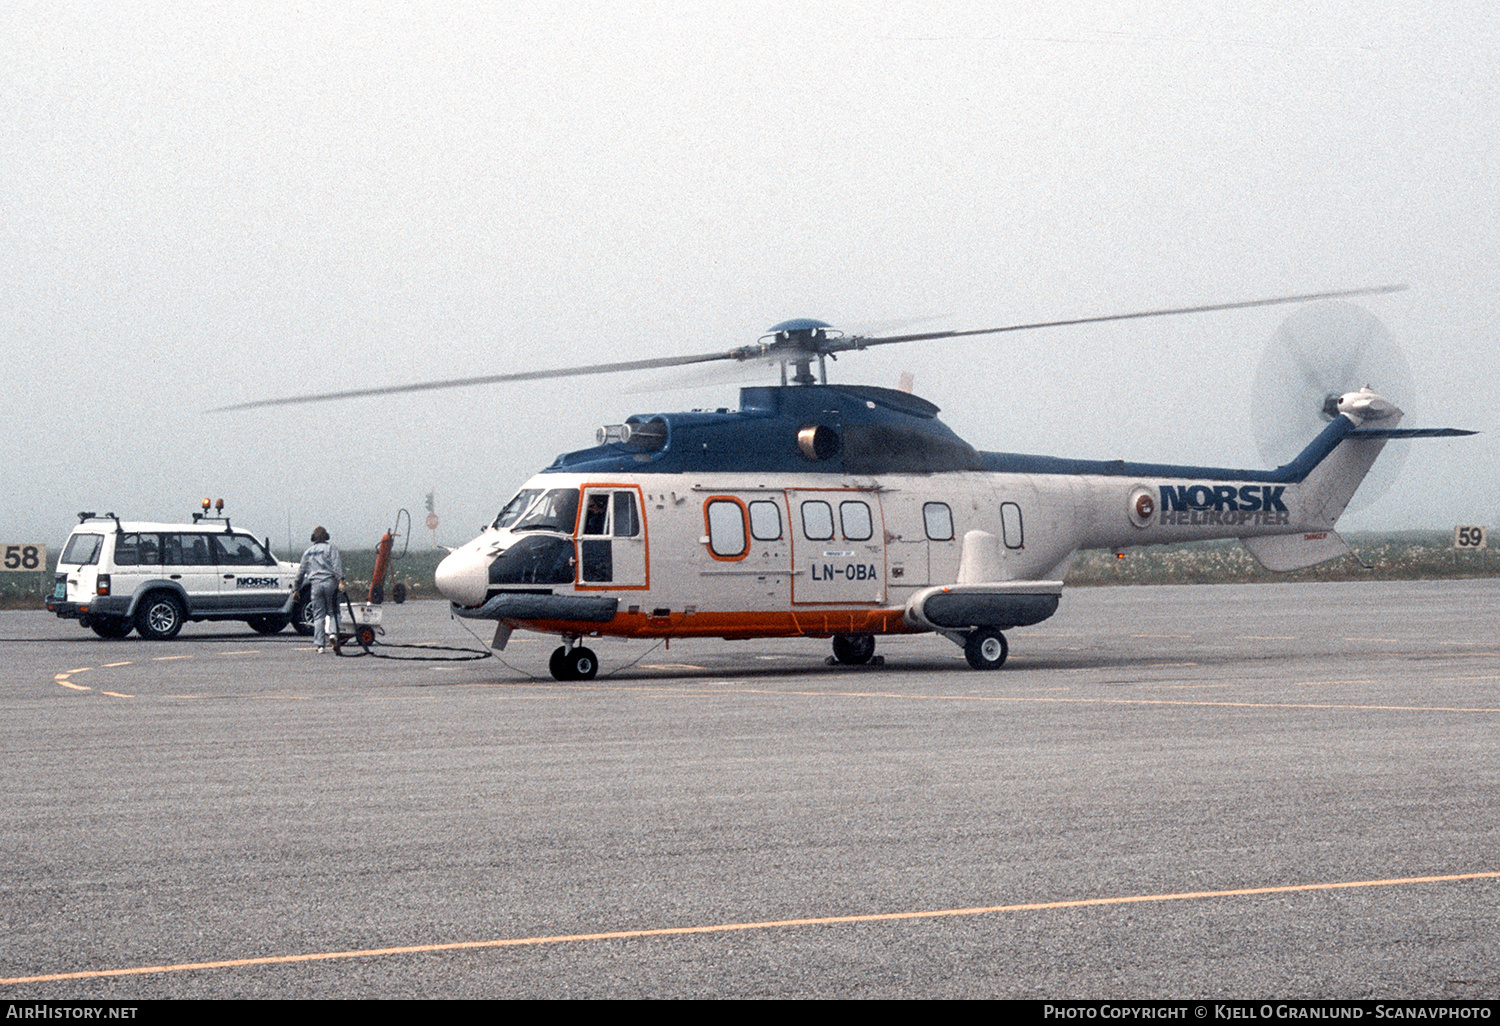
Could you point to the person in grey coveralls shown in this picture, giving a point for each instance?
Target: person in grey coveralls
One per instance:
(324, 570)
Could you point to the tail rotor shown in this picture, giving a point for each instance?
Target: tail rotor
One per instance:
(1318, 354)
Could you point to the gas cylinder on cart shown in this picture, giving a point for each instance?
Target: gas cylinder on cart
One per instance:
(383, 559)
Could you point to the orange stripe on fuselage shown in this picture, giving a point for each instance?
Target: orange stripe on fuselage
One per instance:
(819, 623)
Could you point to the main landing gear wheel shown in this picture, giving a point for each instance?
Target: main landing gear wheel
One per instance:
(986, 649)
(853, 649)
(579, 664)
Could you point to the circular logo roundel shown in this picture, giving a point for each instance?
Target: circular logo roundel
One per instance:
(1142, 506)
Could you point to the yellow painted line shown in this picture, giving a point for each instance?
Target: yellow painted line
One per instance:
(1266, 637)
(1161, 635)
(110, 665)
(248, 651)
(1320, 683)
(163, 659)
(70, 684)
(1185, 687)
(645, 689)
(1388, 641)
(115, 694)
(81, 669)
(771, 924)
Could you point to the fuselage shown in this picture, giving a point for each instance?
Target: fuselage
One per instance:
(829, 510)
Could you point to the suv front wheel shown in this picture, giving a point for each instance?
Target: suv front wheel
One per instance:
(159, 617)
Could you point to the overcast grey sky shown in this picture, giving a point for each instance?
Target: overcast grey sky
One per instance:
(207, 203)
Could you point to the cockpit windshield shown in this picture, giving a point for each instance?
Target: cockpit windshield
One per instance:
(555, 511)
(515, 507)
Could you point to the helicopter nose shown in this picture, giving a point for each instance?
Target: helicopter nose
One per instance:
(463, 577)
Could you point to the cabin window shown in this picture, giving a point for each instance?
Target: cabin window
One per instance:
(854, 517)
(1011, 526)
(939, 520)
(627, 521)
(595, 514)
(726, 529)
(765, 520)
(817, 520)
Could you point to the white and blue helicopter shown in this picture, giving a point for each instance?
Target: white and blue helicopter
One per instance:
(851, 511)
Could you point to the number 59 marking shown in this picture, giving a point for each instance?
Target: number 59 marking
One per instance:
(1468, 538)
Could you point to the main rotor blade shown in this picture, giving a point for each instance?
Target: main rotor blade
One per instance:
(487, 379)
(774, 351)
(864, 343)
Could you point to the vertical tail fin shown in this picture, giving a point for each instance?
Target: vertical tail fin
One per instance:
(1327, 474)
(1327, 484)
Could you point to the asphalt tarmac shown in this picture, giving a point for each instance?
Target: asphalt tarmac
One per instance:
(1233, 792)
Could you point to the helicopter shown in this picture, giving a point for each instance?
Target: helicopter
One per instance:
(849, 512)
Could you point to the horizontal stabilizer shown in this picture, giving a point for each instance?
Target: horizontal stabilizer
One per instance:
(1282, 552)
(1002, 604)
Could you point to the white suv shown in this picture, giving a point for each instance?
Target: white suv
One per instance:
(114, 576)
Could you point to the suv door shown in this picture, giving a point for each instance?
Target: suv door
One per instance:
(188, 559)
(250, 579)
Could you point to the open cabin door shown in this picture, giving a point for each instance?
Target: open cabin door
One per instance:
(612, 546)
(838, 547)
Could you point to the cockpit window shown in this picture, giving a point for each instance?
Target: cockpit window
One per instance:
(555, 511)
(515, 507)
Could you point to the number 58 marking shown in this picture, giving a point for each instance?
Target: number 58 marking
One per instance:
(25, 557)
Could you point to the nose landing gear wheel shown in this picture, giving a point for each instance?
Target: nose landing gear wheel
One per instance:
(579, 664)
(986, 649)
